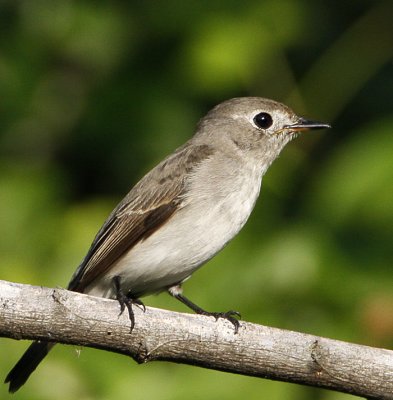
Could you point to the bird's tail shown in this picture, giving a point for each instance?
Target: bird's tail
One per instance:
(27, 364)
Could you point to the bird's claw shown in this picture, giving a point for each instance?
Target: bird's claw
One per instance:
(139, 304)
(230, 316)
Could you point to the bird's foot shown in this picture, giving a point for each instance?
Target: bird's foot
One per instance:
(126, 301)
(230, 316)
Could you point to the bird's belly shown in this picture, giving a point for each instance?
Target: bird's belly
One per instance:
(192, 236)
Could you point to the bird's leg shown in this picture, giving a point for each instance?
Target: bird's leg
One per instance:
(126, 300)
(177, 292)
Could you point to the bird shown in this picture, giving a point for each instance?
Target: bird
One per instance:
(182, 212)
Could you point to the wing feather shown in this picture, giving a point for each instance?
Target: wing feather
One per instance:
(149, 204)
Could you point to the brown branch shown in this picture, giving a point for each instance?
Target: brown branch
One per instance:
(30, 312)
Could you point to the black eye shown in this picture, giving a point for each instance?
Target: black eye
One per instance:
(263, 120)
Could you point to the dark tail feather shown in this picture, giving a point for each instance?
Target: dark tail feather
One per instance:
(27, 364)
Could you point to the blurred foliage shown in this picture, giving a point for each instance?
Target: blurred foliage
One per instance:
(93, 94)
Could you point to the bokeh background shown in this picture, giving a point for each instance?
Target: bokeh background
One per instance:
(93, 94)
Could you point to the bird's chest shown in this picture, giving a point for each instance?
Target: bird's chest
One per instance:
(217, 204)
(221, 203)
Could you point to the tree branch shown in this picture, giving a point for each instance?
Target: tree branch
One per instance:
(31, 312)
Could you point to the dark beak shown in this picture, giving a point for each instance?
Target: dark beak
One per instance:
(305, 124)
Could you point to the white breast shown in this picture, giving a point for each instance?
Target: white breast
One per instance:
(217, 205)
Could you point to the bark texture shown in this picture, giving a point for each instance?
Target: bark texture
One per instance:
(31, 312)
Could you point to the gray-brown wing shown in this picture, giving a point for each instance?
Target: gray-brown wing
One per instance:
(151, 202)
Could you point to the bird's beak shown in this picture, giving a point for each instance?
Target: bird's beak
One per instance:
(305, 124)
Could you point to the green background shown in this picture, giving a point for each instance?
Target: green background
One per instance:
(94, 94)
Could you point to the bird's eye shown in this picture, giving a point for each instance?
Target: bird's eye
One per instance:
(263, 120)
